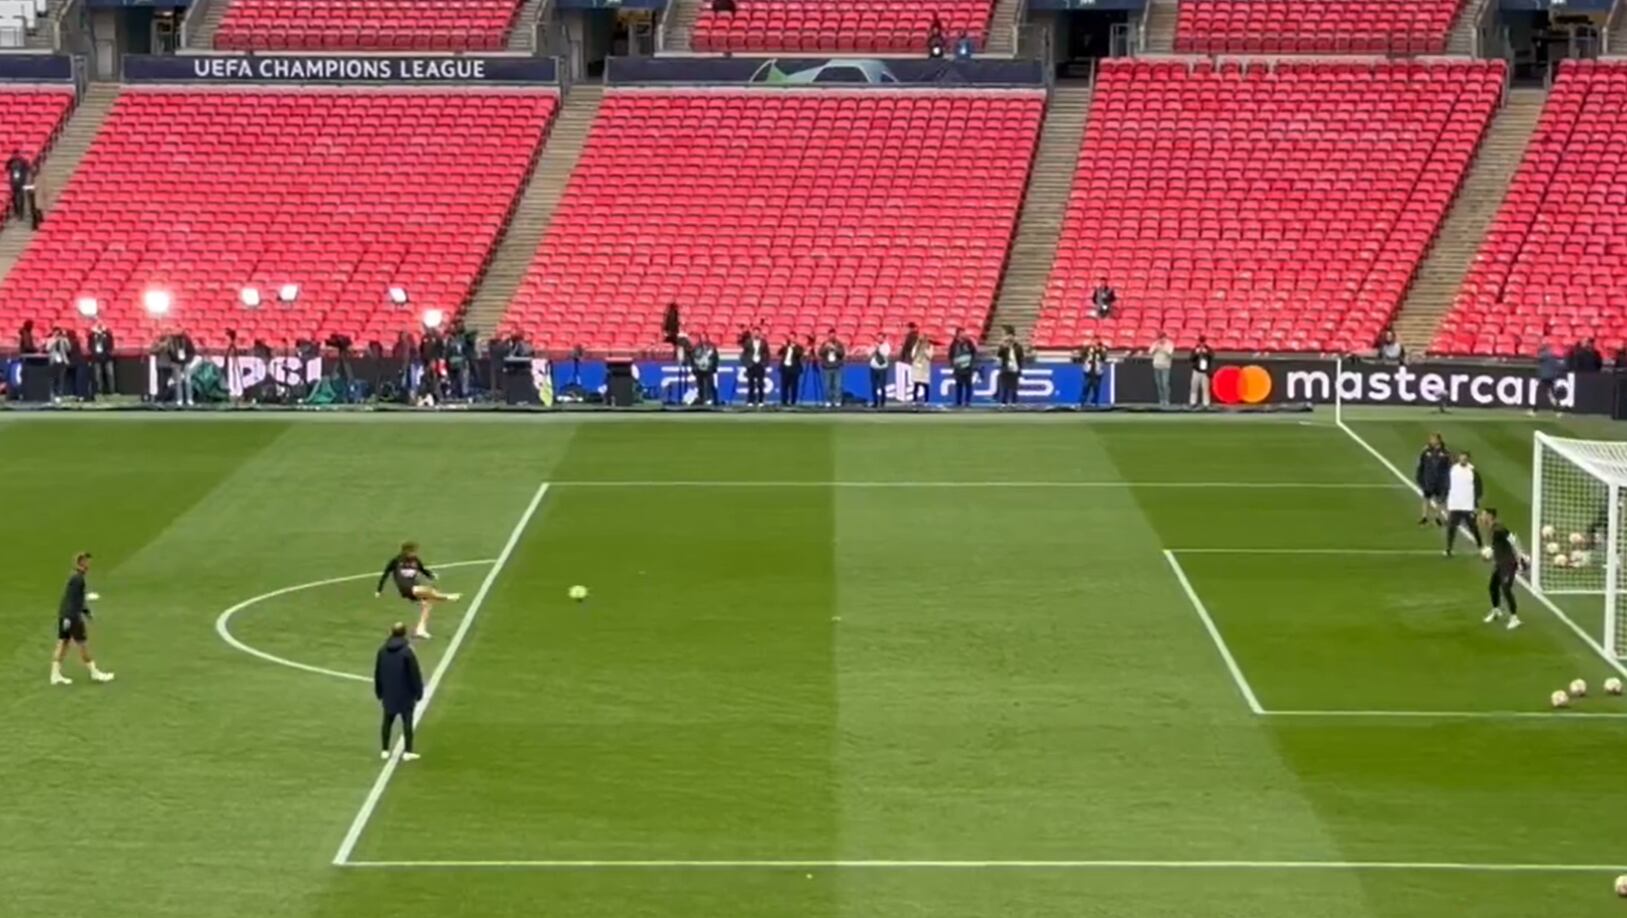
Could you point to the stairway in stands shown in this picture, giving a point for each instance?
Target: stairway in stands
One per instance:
(536, 208)
(204, 38)
(1461, 40)
(522, 36)
(1045, 203)
(681, 31)
(59, 164)
(1162, 16)
(1447, 262)
(43, 38)
(1001, 21)
(1616, 41)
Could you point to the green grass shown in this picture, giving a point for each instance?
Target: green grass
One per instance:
(791, 670)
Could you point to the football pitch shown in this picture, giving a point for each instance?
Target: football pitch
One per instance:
(957, 666)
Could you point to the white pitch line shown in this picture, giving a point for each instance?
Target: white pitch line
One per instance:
(1193, 865)
(354, 834)
(1461, 715)
(1214, 634)
(1559, 613)
(1258, 485)
(1434, 553)
(224, 620)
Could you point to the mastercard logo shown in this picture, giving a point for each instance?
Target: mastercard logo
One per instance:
(1246, 385)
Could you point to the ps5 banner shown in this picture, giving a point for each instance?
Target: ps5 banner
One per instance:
(328, 68)
(1264, 380)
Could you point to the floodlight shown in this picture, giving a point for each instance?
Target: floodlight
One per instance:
(433, 318)
(288, 293)
(398, 296)
(157, 302)
(250, 297)
(88, 307)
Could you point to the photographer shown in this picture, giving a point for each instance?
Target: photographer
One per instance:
(832, 355)
(101, 356)
(343, 375)
(1094, 358)
(704, 360)
(460, 358)
(963, 362)
(178, 346)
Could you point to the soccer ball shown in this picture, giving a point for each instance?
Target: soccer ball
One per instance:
(1578, 688)
(1578, 539)
(579, 592)
(1580, 558)
(1621, 886)
(1612, 686)
(1553, 548)
(1560, 699)
(1561, 560)
(1547, 532)
(1486, 552)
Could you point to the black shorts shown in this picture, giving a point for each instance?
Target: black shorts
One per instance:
(406, 592)
(71, 629)
(1438, 495)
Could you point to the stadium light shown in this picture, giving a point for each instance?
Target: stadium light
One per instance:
(249, 297)
(88, 307)
(288, 293)
(157, 303)
(433, 319)
(398, 296)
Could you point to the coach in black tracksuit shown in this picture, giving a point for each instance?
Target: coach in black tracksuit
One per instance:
(1433, 477)
(399, 685)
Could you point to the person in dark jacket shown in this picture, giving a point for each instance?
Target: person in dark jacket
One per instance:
(1103, 299)
(754, 357)
(1550, 368)
(25, 338)
(18, 171)
(181, 351)
(963, 363)
(704, 360)
(832, 355)
(1585, 358)
(398, 684)
(1432, 475)
(790, 357)
(101, 358)
(1012, 356)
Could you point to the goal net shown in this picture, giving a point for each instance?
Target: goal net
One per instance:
(1577, 488)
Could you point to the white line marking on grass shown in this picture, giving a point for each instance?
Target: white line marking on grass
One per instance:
(1196, 865)
(224, 620)
(1260, 485)
(1307, 551)
(1214, 634)
(354, 834)
(1559, 613)
(1462, 715)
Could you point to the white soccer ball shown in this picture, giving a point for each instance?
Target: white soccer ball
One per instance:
(1486, 552)
(579, 592)
(1561, 560)
(1560, 699)
(1547, 532)
(1580, 558)
(1612, 686)
(1578, 539)
(1552, 547)
(1621, 886)
(1578, 688)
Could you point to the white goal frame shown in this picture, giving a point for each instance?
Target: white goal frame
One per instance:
(1600, 468)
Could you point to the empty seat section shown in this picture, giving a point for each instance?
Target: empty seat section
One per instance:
(29, 120)
(1554, 263)
(837, 25)
(1315, 26)
(1280, 209)
(344, 194)
(855, 210)
(371, 25)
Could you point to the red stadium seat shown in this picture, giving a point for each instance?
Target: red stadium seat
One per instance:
(29, 120)
(343, 193)
(855, 210)
(837, 25)
(366, 25)
(1268, 208)
(1553, 266)
(1405, 27)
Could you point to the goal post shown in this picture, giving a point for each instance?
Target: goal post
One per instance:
(1576, 513)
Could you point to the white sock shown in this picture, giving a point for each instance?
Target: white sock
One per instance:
(93, 670)
(56, 669)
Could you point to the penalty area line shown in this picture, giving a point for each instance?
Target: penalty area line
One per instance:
(1570, 716)
(357, 825)
(1097, 865)
(1214, 634)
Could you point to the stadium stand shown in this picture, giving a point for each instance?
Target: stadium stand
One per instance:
(854, 210)
(1267, 207)
(1554, 264)
(343, 193)
(837, 25)
(366, 25)
(1315, 26)
(29, 121)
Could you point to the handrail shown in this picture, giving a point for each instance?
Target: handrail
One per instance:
(1141, 29)
(1617, 10)
(541, 41)
(192, 20)
(667, 14)
(1017, 26)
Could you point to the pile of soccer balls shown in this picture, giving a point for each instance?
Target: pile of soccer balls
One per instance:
(1561, 698)
(1576, 555)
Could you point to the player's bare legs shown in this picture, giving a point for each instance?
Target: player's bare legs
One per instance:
(61, 653)
(427, 598)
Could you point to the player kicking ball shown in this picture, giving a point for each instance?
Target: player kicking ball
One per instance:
(1506, 562)
(408, 572)
(71, 627)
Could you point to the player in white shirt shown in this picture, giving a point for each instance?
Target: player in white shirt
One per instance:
(1463, 491)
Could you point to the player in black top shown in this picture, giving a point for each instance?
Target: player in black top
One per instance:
(72, 617)
(410, 573)
(1506, 562)
(1433, 477)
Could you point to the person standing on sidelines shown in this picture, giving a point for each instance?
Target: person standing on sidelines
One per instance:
(398, 684)
(1163, 355)
(1203, 360)
(832, 356)
(963, 363)
(73, 615)
(1463, 490)
(1011, 356)
(1433, 476)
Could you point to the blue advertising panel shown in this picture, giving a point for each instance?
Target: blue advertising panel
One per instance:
(36, 68)
(1057, 384)
(413, 70)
